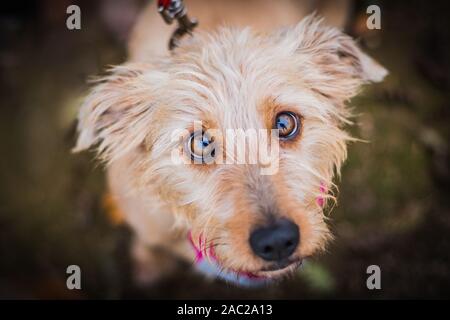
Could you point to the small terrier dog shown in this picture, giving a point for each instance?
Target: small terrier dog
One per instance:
(233, 221)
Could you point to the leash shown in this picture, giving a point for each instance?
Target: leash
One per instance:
(172, 10)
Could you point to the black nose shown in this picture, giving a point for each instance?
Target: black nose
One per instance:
(276, 241)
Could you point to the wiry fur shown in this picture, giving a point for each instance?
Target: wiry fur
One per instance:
(228, 79)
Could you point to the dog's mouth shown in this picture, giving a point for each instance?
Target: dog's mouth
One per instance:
(278, 270)
(281, 267)
(208, 262)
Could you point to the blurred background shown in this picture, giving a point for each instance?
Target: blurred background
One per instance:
(393, 208)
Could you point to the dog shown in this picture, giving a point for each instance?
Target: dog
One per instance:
(268, 68)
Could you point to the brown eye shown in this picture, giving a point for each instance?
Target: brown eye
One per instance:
(288, 124)
(201, 147)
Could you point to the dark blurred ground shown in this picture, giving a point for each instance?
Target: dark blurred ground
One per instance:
(393, 207)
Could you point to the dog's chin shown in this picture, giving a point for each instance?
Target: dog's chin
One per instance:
(245, 278)
(280, 269)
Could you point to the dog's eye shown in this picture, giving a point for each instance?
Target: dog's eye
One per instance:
(288, 124)
(201, 147)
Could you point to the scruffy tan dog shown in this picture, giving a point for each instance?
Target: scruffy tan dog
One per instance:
(234, 221)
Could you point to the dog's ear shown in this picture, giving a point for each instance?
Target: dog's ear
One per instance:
(338, 66)
(117, 113)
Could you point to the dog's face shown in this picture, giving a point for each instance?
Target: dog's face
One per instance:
(295, 81)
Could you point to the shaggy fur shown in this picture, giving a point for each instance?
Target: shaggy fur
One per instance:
(228, 78)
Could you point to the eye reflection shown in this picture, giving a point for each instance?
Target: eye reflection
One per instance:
(288, 124)
(201, 147)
